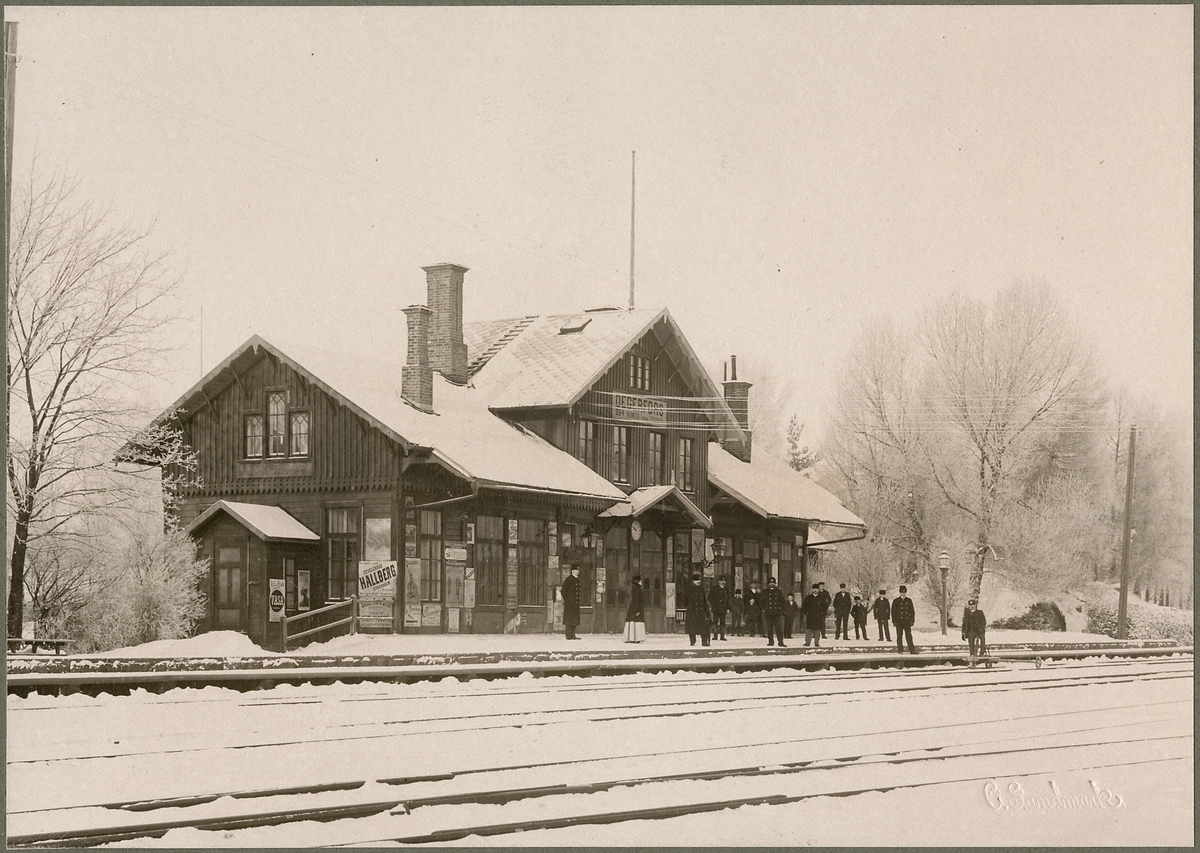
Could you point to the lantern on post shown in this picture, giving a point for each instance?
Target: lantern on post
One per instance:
(944, 565)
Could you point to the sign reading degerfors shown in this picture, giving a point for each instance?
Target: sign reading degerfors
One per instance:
(634, 408)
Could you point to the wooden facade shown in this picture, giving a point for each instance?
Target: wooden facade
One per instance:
(467, 556)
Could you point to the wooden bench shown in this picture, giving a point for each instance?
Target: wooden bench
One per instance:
(26, 645)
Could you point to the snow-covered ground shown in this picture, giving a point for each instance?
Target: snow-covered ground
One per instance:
(233, 644)
(1074, 753)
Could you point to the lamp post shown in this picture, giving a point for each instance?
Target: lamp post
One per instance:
(944, 565)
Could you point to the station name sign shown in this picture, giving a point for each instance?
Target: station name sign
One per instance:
(634, 408)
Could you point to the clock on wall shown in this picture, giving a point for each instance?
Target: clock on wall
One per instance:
(635, 530)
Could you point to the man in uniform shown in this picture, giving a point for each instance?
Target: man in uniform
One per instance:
(718, 601)
(974, 628)
(698, 617)
(823, 594)
(572, 597)
(813, 616)
(772, 611)
(882, 609)
(841, 613)
(903, 616)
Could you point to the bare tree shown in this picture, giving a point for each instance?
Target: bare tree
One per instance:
(85, 312)
(1000, 377)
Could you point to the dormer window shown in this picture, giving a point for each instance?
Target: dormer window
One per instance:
(639, 372)
(279, 433)
(574, 325)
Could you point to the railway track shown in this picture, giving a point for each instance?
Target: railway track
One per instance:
(462, 802)
(813, 693)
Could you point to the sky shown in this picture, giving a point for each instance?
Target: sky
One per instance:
(798, 169)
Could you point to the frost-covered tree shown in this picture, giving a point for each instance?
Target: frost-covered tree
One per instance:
(85, 308)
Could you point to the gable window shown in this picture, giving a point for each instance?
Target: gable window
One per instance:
(276, 423)
(655, 471)
(289, 580)
(298, 434)
(639, 372)
(587, 443)
(254, 436)
(341, 535)
(280, 432)
(683, 476)
(620, 447)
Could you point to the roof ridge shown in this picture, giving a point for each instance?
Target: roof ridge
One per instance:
(519, 325)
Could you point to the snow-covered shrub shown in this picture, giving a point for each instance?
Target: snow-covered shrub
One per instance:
(151, 591)
(1041, 616)
(1144, 621)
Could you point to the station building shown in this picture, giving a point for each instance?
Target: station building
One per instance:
(450, 493)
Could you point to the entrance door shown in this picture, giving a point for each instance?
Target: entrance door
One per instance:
(653, 581)
(229, 579)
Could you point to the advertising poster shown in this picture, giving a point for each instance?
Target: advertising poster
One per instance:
(566, 538)
(669, 605)
(553, 558)
(797, 580)
(470, 533)
(376, 593)
(510, 578)
(410, 540)
(377, 541)
(512, 531)
(737, 578)
(698, 541)
(455, 582)
(775, 570)
(601, 578)
(412, 615)
(468, 588)
(275, 598)
(452, 620)
(303, 594)
(431, 615)
(412, 580)
(552, 542)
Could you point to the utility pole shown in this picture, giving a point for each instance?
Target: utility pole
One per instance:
(1122, 631)
(632, 210)
(10, 86)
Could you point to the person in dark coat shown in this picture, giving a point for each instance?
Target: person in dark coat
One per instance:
(572, 596)
(842, 605)
(812, 614)
(635, 616)
(882, 608)
(903, 616)
(974, 628)
(772, 611)
(790, 611)
(826, 599)
(753, 619)
(718, 603)
(736, 607)
(859, 612)
(698, 617)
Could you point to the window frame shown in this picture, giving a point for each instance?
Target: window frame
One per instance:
(586, 437)
(490, 561)
(685, 464)
(247, 436)
(655, 443)
(267, 420)
(531, 562)
(342, 552)
(639, 372)
(620, 454)
(431, 555)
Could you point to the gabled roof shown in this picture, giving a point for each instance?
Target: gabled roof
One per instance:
(463, 435)
(269, 523)
(771, 489)
(535, 363)
(648, 497)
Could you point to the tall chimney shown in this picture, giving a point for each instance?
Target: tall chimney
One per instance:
(737, 397)
(447, 352)
(416, 377)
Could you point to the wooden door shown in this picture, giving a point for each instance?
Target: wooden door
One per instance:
(229, 585)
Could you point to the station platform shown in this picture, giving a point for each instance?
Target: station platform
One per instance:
(433, 657)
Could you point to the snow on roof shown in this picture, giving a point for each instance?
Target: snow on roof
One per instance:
(269, 523)
(462, 432)
(772, 489)
(541, 367)
(646, 497)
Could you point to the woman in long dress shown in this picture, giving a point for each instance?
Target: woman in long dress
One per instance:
(635, 616)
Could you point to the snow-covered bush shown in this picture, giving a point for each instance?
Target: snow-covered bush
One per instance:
(1144, 621)
(150, 591)
(1041, 616)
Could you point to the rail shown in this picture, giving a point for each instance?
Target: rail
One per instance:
(350, 603)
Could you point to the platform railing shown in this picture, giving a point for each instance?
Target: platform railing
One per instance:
(351, 619)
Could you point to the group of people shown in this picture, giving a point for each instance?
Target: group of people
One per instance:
(775, 613)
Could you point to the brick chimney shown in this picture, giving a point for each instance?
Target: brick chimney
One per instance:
(737, 397)
(447, 352)
(416, 377)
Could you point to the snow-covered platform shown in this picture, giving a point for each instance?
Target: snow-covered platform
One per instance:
(232, 662)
